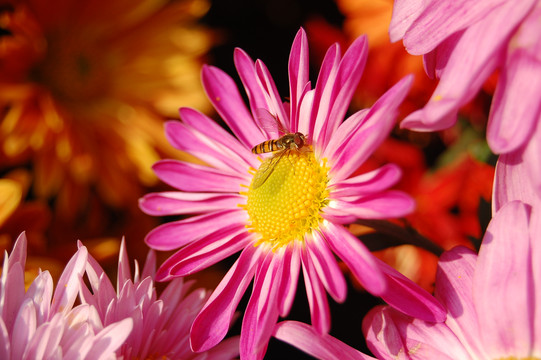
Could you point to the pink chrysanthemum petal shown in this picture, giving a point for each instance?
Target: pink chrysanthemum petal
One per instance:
(503, 273)
(177, 203)
(347, 155)
(391, 335)
(317, 298)
(326, 267)
(176, 234)
(213, 153)
(68, 284)
(246, 68)
(322, 92)
(41, 292)
(226, 99)
(198, 178)
(356, 256)
(110, 339)
(408, 297)
(205, 125)
(467, 67)
(321, 346)
(368, 183)
(454, 286)
(274, 103)
(212, 323)
(262, 311)
(205, 252)
(24, 329)
(298, 76)
(349, 72)
(288, 285)
(382, 205)
(516, 95)
(431, 28)
(405, 12)
(513, 181)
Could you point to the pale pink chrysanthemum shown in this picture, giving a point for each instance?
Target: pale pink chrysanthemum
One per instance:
(492, 299)
(463, 42)
(39, 324)
(161, 325)
(287, 217)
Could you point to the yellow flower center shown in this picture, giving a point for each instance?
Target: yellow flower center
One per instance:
(286, 196)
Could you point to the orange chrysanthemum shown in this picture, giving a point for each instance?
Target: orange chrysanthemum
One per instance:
(84, 87)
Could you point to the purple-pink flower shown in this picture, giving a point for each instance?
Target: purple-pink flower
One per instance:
(161, 325)
(284, 212)
(463, 43)
(38, 323)
(492, 299)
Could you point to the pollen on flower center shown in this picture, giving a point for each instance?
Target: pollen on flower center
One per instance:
(286, 196)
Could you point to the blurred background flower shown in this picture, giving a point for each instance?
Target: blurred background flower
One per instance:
(84, 89)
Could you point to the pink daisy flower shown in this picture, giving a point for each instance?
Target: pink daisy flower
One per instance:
(39, 324)
(492, 299)
(463, 43)
(284, 212)
(161, 326)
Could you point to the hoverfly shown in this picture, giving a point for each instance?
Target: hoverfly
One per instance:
(281, 146)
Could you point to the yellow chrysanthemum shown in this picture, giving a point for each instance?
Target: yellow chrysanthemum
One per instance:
(84, 87)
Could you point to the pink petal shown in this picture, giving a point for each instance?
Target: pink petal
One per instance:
(288, 286)
(262, 311)
(199, 178)
(173, 235)
(23, 329)
(218, 135)
(515, 107)
(430, 28)
(357, 257)
(211, 152)
(69, 282)
(391, 335)
(110, 339)
(177, 203)
(224, 95)
(348, 76)
(405, 12)
(123, 272)
(5, 342)
(368, 183)
(513, 181)
(408, 297)
(41, 292)
(274, 103)
(382, 205)
(503, 284)
(317, 298)
(18, 253)
(256, 95)
(454, 285)
(212, 323)
(298, 67)
(205, 252)
(312, 342)
(322, 93)
(326, 267)
(346, 157)
(470, 63)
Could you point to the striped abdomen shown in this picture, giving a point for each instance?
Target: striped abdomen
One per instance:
(268, 146)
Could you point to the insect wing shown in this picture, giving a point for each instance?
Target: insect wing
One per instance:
(264, 173)
(269, 123)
